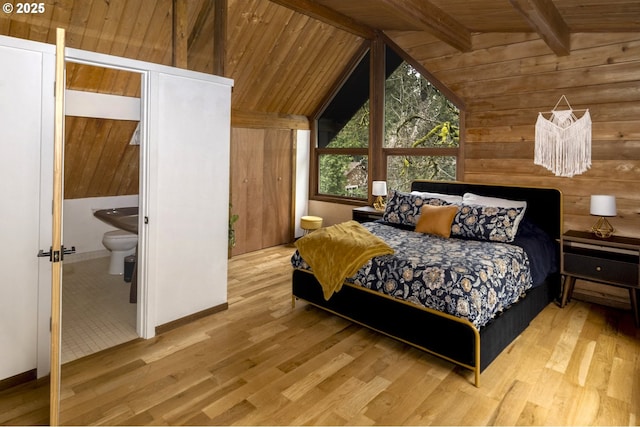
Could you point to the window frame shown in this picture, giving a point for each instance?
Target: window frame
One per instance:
(376, 152)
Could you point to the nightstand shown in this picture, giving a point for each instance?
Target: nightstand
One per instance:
(613, 261)
(366, 214)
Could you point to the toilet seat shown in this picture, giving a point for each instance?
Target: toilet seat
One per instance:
(119, 235)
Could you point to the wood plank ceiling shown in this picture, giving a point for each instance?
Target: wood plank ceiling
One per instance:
(284, 55)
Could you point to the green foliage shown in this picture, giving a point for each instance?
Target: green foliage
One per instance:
(355, 134)
(232, 231)
(443, 134)
(416, 115)
(334, 168)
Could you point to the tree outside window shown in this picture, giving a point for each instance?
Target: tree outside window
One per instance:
(421, 137)
(419, 121)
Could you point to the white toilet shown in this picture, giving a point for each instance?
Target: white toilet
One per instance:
(121, 244)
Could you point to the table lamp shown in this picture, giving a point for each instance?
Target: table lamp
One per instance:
(603, 206)
(379, 189)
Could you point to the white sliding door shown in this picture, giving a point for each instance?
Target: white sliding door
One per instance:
(189, 127)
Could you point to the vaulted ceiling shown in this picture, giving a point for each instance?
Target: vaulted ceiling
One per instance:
(287, 55)
(453, 21)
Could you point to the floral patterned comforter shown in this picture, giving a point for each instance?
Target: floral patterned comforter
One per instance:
(470, 279)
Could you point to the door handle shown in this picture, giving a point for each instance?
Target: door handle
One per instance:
(56, 256)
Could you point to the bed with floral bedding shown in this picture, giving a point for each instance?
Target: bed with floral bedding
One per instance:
(471, 265)
(473, 280)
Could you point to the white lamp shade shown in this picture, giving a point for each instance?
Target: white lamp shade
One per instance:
(603, 205)
(379, 188)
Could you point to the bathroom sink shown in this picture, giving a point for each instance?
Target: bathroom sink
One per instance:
(123, 218)
(129, 223)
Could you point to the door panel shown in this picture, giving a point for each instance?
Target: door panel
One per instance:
(188, 195)
(277, 181)
(247, 158)
(21, 88)
(261, 187)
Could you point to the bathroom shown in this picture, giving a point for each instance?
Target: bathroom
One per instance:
(96, 312)
(101, 171)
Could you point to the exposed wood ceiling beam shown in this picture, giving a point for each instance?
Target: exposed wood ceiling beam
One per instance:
(179, 39)
(545, 19)
(205, 10)
(220, 37)
(424, 14)
(329, 16)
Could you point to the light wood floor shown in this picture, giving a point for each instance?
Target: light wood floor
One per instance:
(263, 363)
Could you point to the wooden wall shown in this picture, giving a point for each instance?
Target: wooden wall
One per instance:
(511, 77)
(274, 55)
(262, 179)
(103, 164)
(284, 64)
(98, 158)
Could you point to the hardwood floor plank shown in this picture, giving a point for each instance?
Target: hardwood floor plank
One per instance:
(620, 383)
(600, 370)
(186, 414)
(532, 415)
(545, 388)
(564, 348)
(311, 351)
(264, 362)
(390, 407)
(312, 379)
(513, 403)
(187, 402)
(25, 404)
(317, 406)
(233, 414)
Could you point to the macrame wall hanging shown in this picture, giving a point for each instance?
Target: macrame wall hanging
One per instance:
(563, 142)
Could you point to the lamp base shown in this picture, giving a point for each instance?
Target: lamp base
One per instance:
(379, 204)
(602, 228)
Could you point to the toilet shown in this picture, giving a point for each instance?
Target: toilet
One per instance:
(121, 244)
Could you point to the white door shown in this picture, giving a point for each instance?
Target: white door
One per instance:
(187, 196)
(26, 134)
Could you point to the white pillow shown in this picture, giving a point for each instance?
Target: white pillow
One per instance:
(449, 198)
(474, 199)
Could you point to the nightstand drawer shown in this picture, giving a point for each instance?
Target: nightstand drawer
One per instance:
(597, 268)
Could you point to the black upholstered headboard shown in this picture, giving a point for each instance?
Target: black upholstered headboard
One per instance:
(544, 205)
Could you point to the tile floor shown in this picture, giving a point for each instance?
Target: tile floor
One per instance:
(96, 313)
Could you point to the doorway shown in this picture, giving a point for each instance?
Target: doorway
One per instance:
(101, 171)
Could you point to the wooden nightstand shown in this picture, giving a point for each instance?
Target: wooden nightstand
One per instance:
(613, 261)
(366, 214)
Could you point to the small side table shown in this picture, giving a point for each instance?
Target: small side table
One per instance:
(366, 214)
(612, 261)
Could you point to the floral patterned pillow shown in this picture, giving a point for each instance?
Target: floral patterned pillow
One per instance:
(486, 223)
(404, 208)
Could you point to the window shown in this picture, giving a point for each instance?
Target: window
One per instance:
(343, 162)
(343, 138)
(420, 141)
(421, 130)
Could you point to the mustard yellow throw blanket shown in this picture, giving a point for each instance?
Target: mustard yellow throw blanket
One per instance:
(339, 251)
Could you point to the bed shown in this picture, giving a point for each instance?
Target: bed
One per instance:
(442, 328)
